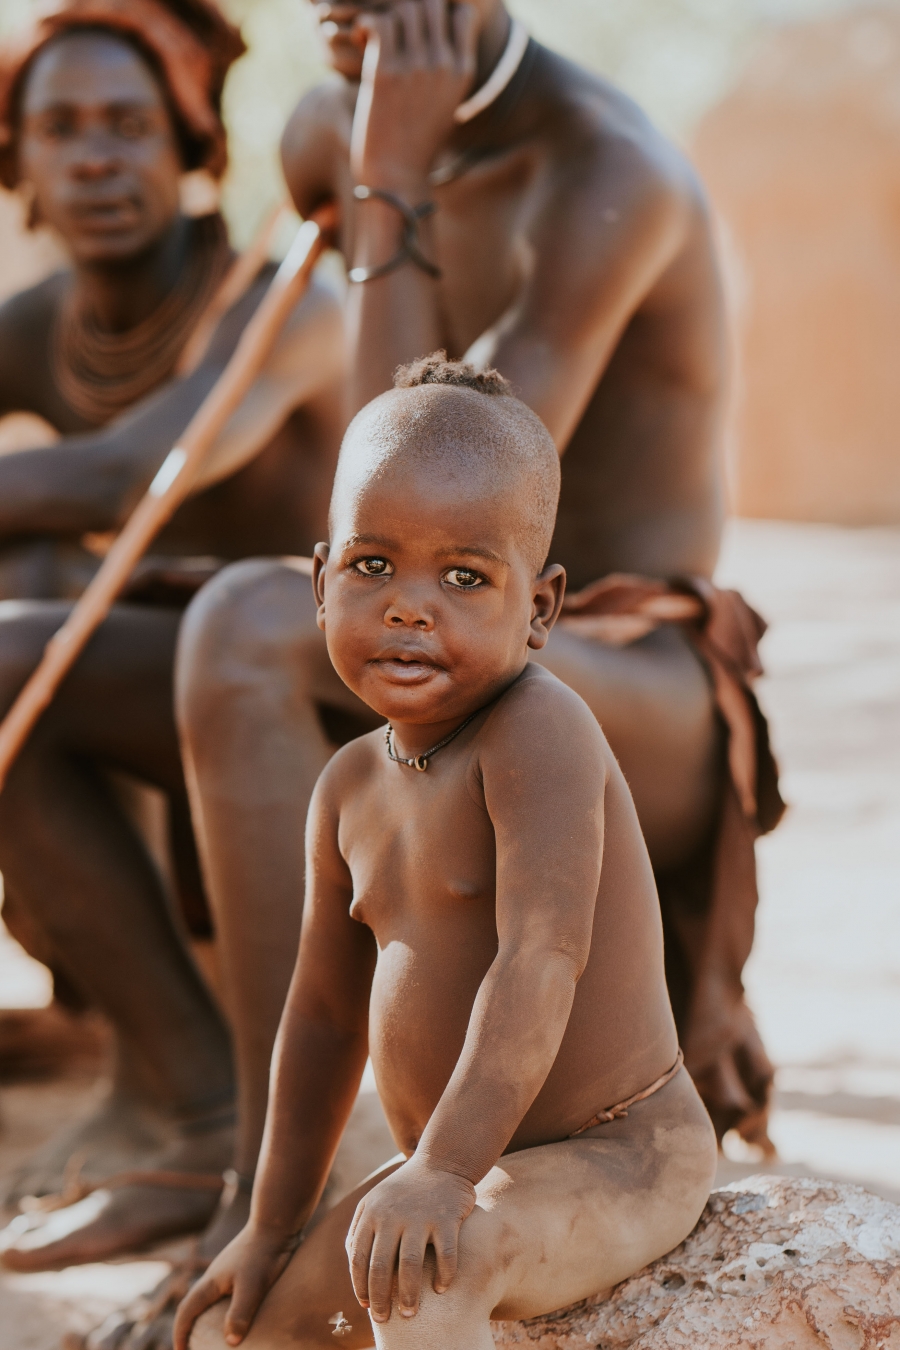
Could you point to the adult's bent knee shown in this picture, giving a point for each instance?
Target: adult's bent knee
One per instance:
(247, 625)
(25, 628)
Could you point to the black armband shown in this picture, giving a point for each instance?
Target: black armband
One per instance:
(409, 250)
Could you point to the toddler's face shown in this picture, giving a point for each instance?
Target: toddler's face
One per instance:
(429, 605)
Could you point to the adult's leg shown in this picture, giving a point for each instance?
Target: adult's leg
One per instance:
(551, 1226)
(252, 680)
(73, 857)
(654, 702)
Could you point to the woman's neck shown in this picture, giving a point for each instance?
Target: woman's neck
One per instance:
(123, 293)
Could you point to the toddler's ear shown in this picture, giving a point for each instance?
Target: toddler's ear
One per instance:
(320, 558)
(549, 589)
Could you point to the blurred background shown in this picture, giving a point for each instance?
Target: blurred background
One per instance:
(791, 111)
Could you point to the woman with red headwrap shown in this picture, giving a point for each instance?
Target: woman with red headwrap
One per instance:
(107, 109)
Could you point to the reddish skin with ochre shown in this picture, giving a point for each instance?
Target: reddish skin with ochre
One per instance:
(99, 148)
(577, 252)
(488, 930)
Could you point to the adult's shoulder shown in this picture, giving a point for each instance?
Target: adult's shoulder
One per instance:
(315, 141)
(602, 141)
(26, 319)
(31, 310)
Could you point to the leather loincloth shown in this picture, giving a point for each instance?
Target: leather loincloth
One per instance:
(709, 903)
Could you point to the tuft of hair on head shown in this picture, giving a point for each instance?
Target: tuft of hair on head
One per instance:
(437, 369)
(458, 419)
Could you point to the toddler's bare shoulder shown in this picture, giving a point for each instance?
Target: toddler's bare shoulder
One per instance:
(350, 768)
(540, 713)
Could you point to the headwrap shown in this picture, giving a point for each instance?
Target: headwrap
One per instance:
(189, 42)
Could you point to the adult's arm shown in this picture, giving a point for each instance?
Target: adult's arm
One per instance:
(599, 244)
(91, 482)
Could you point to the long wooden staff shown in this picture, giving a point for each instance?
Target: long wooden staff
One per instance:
(172, 484)
(238, 280)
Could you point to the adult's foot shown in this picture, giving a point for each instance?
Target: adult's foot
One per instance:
(129, 1214)
(41, 1043)
(121, 1134)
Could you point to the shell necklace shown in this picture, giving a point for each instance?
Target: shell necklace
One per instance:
(499, 77)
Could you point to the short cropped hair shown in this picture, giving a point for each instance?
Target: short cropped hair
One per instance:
(449, 411)
(436, 369)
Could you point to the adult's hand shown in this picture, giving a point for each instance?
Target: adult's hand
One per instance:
(418, 67)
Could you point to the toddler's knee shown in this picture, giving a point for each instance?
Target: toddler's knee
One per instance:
(239, 632)
(487, 1249)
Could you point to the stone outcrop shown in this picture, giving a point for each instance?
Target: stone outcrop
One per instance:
(774, 1264)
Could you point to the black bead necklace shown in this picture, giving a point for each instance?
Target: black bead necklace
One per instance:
(420, 762)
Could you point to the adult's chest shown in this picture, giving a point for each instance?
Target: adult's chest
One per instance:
(478, 236)
(421, 852)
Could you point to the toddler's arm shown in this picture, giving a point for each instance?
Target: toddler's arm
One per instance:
(319, 1057)
(544, 765)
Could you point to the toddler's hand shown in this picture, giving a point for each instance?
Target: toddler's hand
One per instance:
(246, 1269)
(416, 1206)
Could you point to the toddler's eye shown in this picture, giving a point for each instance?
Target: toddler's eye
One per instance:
(463, 577)
(373, 567)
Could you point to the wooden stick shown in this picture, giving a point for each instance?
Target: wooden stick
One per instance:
(172, 484)
(237, 281)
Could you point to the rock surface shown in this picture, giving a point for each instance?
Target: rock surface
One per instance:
(775, 1263)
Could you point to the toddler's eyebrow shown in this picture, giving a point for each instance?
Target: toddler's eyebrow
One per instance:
(472, 551)
(354, 540)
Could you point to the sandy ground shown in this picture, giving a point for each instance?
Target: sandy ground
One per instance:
(825, 975)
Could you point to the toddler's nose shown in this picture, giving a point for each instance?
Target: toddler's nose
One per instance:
(404, 615)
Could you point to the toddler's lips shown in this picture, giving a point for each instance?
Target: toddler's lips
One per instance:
(406, 670)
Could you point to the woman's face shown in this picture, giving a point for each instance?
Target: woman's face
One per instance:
(98, 144)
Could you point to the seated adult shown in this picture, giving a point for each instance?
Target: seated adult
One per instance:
(104, 110)
(575, 253)
(539, 224)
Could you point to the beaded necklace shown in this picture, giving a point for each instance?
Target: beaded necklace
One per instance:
(100, 372)
(420, 762)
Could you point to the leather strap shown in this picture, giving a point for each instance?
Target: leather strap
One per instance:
(620, 1111)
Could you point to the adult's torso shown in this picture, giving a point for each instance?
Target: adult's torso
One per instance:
(276, 504)
(641, 484)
